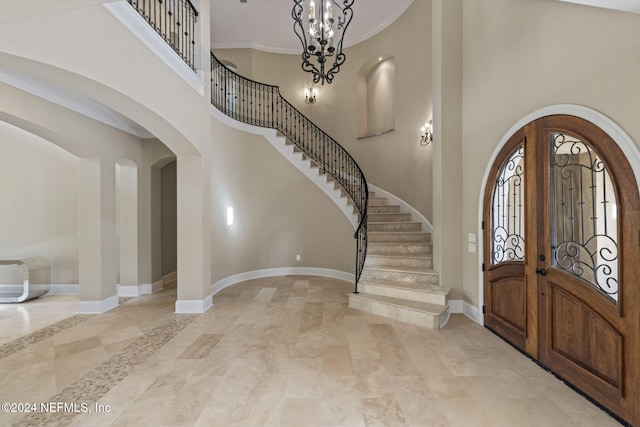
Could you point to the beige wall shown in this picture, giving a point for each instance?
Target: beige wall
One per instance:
(522, 55)
(38, 195)
(517, 57)
(278, 212)
(395, 161)
(168, 218)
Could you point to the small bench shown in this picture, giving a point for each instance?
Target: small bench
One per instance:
(24, 279)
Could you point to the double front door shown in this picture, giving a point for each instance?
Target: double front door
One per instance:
(562, 257)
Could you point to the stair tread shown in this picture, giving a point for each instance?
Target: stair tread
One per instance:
(399, 243)
(435, 309)
(421, 287)
(417, 270)
(393, 222)
(385, 206)
(401, 256)
(402, 232)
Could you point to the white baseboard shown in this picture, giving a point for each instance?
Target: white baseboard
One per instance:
(138, 290)
(471, 311)
(194, 306)
(97, 307)
(283, 271)
(129, 290)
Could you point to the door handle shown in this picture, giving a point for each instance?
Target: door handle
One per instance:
(541, 271)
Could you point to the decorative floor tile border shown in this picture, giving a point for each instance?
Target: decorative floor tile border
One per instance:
(36, 336)
(99, 381)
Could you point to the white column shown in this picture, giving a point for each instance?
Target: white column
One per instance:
(97, 235)
(194, 235)
(447, 142)
(128, 234)
(194, 193)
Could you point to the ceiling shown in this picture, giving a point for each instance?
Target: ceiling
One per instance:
(267, 24)
(623, 5)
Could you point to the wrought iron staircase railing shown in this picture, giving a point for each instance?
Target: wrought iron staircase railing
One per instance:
(175, 21)
(262, 105)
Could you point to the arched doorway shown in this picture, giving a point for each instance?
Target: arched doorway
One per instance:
(561, 216)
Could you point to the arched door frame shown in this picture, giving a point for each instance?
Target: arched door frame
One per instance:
(624, 141)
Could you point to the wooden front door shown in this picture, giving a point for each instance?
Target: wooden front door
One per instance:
(562, 254)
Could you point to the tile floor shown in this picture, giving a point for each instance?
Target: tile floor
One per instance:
(283, 351)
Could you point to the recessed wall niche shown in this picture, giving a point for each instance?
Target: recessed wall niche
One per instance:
(376, 96)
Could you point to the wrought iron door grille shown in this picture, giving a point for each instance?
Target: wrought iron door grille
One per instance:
(584, 218)
(507, 212)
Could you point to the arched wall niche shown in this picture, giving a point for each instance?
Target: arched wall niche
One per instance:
(376, 96)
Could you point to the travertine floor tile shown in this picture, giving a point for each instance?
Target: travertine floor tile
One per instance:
(271, 352)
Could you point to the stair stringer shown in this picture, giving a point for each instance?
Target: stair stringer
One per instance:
(296, 159)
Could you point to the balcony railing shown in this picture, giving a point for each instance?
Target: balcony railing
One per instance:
(262, 105)
(175, 21)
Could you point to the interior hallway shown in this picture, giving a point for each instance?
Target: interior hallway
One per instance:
(283, 351)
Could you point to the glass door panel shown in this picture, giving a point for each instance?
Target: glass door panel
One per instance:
(584, 240)
(507, 213)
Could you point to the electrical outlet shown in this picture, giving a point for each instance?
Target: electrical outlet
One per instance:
(298, 257)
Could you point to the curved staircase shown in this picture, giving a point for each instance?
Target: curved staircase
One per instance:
(398, 280)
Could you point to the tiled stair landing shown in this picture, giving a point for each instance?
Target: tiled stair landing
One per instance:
(398, 280)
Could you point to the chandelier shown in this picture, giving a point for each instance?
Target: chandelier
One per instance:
(322, 37)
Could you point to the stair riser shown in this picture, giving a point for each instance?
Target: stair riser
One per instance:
(399, 238)
(395, 226)
(382, 217)
(394, 312)
(399, 276)
(409, 294)
(375, 261)
(378, 202)
(384, 209)
(406, 249)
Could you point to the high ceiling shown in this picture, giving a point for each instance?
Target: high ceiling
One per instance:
(623, 5)
(268, 25)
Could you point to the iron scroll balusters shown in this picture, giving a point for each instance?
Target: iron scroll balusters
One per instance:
(508, 210)
(175, 21)
(262, 105)
(584, 218)
(317, 38)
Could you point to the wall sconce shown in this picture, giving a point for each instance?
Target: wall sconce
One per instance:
(310, 95)
(427, 133)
